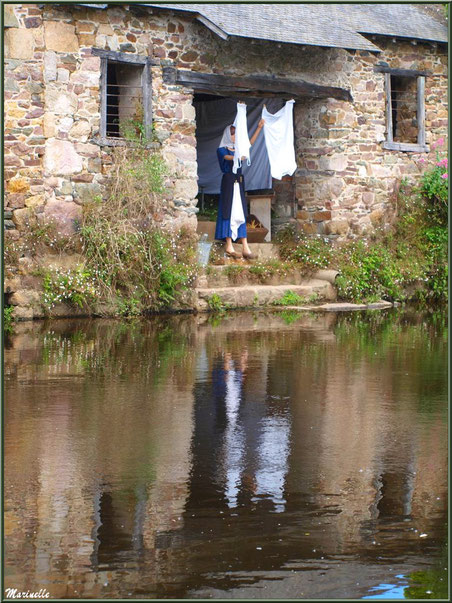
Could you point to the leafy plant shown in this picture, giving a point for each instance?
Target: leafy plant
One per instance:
(289, 299)
(216, 304)
(8, 319)
(74, 286)
(136, 262)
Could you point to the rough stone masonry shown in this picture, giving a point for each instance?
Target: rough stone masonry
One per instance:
(55, 161)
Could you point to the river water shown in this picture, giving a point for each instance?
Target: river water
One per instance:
(239, 456)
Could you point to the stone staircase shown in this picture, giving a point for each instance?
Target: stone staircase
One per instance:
(227, 283)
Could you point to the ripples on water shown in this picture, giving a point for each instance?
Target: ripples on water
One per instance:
(298, 456)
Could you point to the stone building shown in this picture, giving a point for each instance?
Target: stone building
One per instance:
(370, 84)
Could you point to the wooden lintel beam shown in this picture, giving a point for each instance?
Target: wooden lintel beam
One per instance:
(400, 72)
(123, 57)
(213, 83)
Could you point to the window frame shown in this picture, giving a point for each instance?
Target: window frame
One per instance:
(389, 144)
(107, 56)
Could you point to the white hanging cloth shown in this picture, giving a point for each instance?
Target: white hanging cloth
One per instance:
(237, 215)
(278, 132)
(242, 142)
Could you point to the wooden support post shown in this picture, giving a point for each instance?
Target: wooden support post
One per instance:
(103, 97)
(420, 110)
(389, 132)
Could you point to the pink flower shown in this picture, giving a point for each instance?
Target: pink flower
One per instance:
(444, 176)
(438, 143)
(421, 160)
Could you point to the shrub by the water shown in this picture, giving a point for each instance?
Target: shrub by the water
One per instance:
(138, 265)
(410, 260)
(75, 286)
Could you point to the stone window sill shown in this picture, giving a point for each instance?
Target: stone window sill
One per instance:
(407, 147)
(120, 142)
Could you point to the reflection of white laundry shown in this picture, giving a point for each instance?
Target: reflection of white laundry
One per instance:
(278, 131)
(234, 439)
(273, 456)
(237, 215)
(242, 142)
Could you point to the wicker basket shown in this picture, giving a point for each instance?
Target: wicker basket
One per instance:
(255, 235)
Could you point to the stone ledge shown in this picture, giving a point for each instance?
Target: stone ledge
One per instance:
(341, 307)
(262, 295)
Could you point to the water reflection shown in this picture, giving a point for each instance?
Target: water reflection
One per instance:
(257, 457)
(255, 445)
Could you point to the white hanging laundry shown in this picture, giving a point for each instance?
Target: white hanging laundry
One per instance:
(237, 215)
(278, 131)
(242, 142)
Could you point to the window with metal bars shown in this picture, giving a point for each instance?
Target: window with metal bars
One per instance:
(126, 108)
(405, 111)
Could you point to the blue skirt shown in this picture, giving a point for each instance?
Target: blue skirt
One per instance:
(223, 227)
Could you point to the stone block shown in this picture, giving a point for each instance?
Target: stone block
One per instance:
(339, 227)
(18, 185)
(309, 227)
(25, 297)
(49, 125)
(60, 102)
(9, 16)
(64, 215)
(368, 198)
(105, 29)
(302, 214)
(85, 192)
(63, 75)
(35, 201)
(23, 218)
(376, 217)
(80, 130)
(322, 215)
(337, 163)
(19, 43)
(60, 36)
(185, 189)
(61, 158)
(23, 313)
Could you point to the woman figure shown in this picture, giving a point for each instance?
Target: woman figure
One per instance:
(225, 153)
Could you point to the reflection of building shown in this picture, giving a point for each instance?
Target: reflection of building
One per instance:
(154, 461)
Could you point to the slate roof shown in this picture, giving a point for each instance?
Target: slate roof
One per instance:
(332, 25)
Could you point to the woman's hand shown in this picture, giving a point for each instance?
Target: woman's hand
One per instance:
(260, 125)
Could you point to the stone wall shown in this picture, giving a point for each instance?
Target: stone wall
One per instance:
(54, 161)
(346, 180)
(53, 164)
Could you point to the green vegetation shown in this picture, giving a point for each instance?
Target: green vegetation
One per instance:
(431, 583)
(407, 261)
(75, 286)
(265, 269)
(307, 253)
(289, 299)
(8, 319)
(216, 304)
(138, 265)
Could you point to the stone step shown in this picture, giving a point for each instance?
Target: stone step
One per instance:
(238, 275)
(253, 296)
(262, 251)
